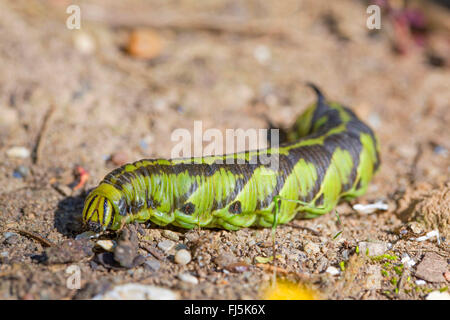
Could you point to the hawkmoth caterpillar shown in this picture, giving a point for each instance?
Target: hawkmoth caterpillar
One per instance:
(330, 155)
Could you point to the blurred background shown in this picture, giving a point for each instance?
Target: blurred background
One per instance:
(76, 103)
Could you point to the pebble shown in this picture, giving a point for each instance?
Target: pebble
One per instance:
(416, 227)
(84, 42)
(4, 254)
(187, 277)
(119, 158)
(262, 54)
(152, 264)
(87, 235)
(225, 259)
(332, 270)
(145, 43)
(21, 172)
(373, 248)
(370, 208)
(18, 152)
(135, 291)
(107, 245)
(183, 257)
(432, 268)
(437, 295)
(374, 277)
(170, 235)
(166, 245)
(407, 261)
(421, 282)
(11, 238)
(311, 248)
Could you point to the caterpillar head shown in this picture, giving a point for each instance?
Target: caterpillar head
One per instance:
(98, 212)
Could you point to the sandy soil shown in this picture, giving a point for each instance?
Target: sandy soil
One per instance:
(75, 98)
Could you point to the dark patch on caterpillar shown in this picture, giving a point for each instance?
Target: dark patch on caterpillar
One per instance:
(319, 200)
(188, 208)
(235, 207)
(89, 207)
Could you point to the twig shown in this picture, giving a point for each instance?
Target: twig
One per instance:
(196, 22)
(37, 152)
(36, 236)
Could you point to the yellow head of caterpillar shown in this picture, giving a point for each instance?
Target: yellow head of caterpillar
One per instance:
(98, 212)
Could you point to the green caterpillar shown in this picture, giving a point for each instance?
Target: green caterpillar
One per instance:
(330, 154)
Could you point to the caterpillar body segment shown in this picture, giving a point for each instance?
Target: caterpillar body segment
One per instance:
(331, 154)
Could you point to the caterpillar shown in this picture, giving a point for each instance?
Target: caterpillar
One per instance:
(330, 155)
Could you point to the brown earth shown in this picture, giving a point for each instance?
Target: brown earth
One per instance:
(78, 97)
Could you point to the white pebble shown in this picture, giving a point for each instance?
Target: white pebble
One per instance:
(332, 270)
(135, 291)
(107, 245)
(421, 282)
(84, 43)
(183, 257)
(262, 54)
(311, 248)
(18, 152)
(166, 245)
(437, 295)
(188, 278)
(407, 261)
(370, 208)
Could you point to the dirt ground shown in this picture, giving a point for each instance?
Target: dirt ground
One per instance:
(87, 99)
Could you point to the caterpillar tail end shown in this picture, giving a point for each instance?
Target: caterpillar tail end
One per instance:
(98, 213)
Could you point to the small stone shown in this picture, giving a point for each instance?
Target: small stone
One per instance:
(432, 268)
(421, 282)
(262, 54)
(145, 43)
(152, 264)
(437, 295)
(416, 227)
(311, 248)
(225, 259)
(407, 261)
(370, 208)
(166, 245)
(187, 277)
(126, 250)
(183, 257)
(21, 172)
(86, 235)
(332, 270)
(84, 42)
(373, 248)
(107, 245)
(18, 152)
(11, 238)
(170, 235)
(135, 291)
(374, 277)
(119, 158)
